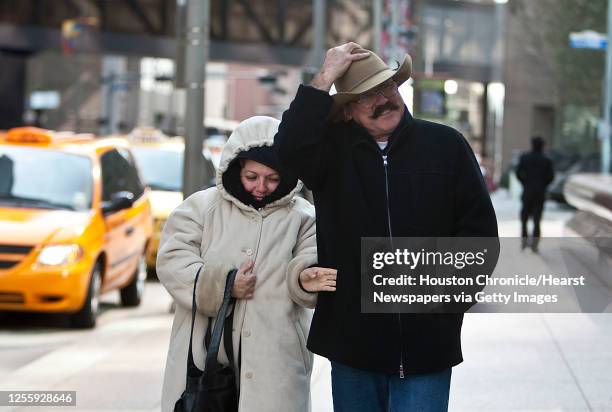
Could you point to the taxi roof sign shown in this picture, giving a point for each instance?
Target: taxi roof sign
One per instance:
(30, 134)
(147, 134)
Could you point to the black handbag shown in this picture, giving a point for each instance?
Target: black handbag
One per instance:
(213, 389)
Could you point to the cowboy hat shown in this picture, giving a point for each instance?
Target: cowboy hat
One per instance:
(363, 75)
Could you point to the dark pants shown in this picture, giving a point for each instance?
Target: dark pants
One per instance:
(356, 390)
(533, 206)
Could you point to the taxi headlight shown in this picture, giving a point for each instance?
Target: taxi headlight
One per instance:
(58, 255)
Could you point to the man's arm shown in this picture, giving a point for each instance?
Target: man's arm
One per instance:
(301, 144)
(520, 170)
(474, 213)
(475, 219)
(550, 172)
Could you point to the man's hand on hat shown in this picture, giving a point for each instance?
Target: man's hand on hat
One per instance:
(337, 61)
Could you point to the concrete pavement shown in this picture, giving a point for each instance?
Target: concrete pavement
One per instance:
(513, 362)
(534, 362)
(118, 366)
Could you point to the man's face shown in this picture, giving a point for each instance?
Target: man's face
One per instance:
(378, 110)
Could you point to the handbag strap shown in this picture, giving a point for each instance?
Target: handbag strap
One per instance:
(227, 337)
(191, 366)
(215, 341)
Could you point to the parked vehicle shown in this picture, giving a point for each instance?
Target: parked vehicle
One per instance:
(591, 193)
(566, 169)
(160, 160)
(75, 221)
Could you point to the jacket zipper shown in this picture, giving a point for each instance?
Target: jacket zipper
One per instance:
(399, 315)
(259, 237)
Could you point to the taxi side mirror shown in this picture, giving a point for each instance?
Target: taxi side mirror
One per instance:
(119, 201)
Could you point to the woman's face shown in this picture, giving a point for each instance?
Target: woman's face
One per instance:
(258, 179)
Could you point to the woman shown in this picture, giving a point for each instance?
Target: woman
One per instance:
(253, 221)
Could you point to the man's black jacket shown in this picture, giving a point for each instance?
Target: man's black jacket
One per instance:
(535, 172)
(435, 189)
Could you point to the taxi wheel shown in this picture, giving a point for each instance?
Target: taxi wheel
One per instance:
(131, 295)
(152, 273)
(86, 316)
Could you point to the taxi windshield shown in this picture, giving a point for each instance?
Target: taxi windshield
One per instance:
(162, 169)
(44, 179)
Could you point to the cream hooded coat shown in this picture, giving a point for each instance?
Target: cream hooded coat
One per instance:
(214, 230)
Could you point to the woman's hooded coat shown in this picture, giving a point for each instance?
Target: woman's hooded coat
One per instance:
(216, 231)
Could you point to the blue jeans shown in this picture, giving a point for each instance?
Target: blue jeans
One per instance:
(356, 390)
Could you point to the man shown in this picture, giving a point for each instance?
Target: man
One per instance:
(535, 171)
(375, 171)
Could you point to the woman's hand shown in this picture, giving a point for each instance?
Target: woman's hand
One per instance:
(244, 284)
(318, 279)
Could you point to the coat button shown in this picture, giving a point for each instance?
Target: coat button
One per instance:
(247, 333)
(249, 252)
(248, 375)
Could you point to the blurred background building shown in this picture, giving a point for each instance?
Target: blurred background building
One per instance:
(500, 71)
(552, 89)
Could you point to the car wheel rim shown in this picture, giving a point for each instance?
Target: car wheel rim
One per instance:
(95, 292)
(141, 276)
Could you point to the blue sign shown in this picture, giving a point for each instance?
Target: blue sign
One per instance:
(588, 40)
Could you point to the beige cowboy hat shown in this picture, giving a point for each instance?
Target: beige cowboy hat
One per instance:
(363, 75)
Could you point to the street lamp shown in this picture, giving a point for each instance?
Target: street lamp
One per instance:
(451, 87)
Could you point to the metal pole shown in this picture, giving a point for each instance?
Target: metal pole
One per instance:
(377, 29)
(394, 30)
(485, 121)
(499, 93)
(181, 38)
(605, 143)
(318, 43)
(196, 57)
(77, 93)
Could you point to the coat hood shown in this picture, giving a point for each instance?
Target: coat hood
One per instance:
(257, 131)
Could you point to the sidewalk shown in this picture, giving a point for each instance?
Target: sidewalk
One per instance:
(522, 362)
(513, 362)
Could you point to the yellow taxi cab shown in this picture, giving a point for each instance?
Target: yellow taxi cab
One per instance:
(160, 160)
(75, 221)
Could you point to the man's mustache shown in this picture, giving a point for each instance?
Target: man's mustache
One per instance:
(380, 109)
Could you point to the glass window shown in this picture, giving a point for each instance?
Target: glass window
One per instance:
(119, 174)
(42, 178)
(162, 169)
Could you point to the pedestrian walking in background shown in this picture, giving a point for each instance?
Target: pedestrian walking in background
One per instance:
(535, 172)
(253, 221)
(375, 171)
